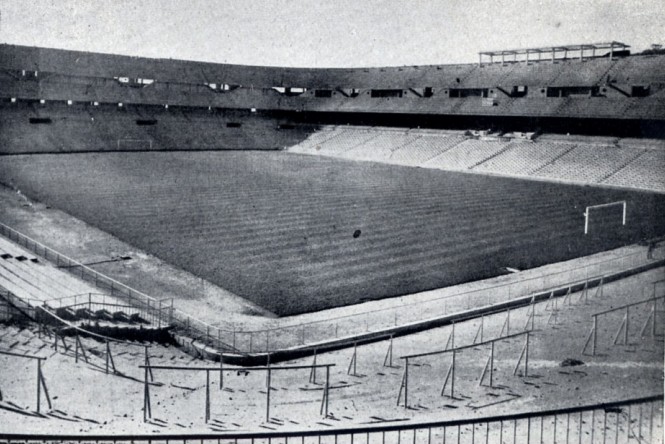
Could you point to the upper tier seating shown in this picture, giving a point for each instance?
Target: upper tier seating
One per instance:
(533, 74)
(638, 70)
(583, 73)
(592, 107)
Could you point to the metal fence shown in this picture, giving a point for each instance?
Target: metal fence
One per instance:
(285, 336)
(155, 311)
(12, 307)
(94, 302)
(628, 421)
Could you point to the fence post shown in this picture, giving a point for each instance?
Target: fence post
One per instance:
(207, 410)
(451, 338)
(147, 413)
(449, 374)
(39, 378)
(406, 383)
(159, 314)
(389, 354)
(352, 363)
(592, 337)
(452, 381)
(492, 366)
(526, 356)
(221, 370)
(479, 331)
(326, 394)
(268, 397)
(312, 373)
(147, 364)
(623, 326)
(625, 333)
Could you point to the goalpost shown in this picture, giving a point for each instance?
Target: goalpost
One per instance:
(134, 144)
(587, 212)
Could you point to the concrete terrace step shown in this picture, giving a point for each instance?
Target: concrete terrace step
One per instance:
(37, 281)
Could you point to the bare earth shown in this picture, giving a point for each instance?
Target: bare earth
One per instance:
(88, 400)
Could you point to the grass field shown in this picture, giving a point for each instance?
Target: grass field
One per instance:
(301, 233)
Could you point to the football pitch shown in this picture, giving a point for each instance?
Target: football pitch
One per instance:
(297, 233)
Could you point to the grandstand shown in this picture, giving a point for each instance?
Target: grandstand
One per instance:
(598, 160)
(226, 252)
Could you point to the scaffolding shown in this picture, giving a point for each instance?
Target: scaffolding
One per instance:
(563, 52)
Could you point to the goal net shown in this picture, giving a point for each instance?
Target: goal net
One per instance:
(604, 216)
(134, 144)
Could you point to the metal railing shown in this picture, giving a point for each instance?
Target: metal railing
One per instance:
(11, 306)
(94, 302)
(154, 310)
(632, 420)
(51, 325)
(285, 336)
(377, 320)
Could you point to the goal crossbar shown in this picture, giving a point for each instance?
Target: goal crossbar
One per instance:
(605, 205)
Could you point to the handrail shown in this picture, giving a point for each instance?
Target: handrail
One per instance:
(18, 355)
(407, 304)
(632, 304)
(89, 333)
(329, 431)
(440, 298)
(465, 347)
(75, 296)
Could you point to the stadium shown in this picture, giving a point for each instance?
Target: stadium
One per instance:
(440, 253)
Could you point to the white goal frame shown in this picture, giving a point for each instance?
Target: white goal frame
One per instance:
(143, 142)
(611, 204)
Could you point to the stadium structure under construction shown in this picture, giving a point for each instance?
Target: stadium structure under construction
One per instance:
(227, 252)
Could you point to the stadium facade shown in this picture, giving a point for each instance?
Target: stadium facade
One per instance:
(58, 100)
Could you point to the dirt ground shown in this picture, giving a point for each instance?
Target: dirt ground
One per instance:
(87, 400)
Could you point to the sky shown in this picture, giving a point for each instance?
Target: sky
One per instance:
(326, 33)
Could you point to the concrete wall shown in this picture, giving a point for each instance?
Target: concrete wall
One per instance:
(79, 128)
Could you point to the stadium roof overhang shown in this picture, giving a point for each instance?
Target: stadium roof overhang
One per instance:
(554, 52)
